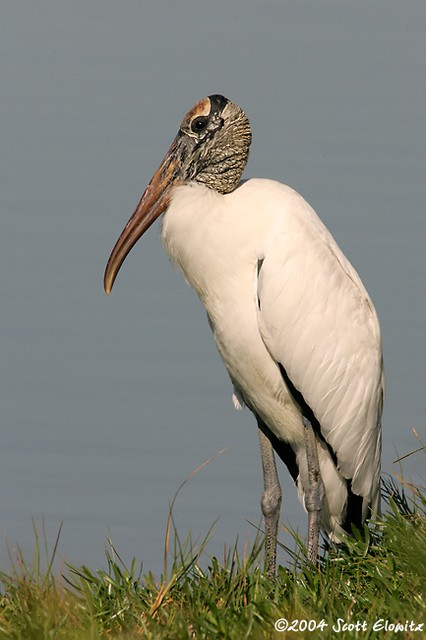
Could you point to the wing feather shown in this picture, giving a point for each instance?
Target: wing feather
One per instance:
(318, 321)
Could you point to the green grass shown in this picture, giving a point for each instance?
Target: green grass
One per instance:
(378, 576)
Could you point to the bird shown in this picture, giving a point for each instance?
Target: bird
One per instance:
(293, 323)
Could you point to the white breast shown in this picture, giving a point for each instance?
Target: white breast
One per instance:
(217, 241)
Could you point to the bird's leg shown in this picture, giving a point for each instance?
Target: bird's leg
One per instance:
(270, 503)
(314, 496)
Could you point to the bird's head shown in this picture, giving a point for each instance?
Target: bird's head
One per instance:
(211, 148)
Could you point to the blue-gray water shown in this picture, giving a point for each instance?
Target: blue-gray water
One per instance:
(109, 403)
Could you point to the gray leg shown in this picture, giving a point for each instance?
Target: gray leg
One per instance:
(314, 496)
(271, 503)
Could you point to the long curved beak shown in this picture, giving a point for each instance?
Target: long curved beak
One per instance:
(155, 200)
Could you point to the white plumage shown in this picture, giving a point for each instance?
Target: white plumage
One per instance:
(277, 289)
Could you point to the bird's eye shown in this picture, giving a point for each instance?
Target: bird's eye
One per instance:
(199, 124)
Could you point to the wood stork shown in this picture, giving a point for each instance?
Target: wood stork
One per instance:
(293, 323)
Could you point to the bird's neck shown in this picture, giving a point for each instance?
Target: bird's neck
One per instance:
(199, 235)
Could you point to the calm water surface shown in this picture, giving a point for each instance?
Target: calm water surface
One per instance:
(109, 403)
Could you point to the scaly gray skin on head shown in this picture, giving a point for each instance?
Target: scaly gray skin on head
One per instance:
(212, 148)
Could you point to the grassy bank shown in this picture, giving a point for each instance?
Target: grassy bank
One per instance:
(369, 585)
